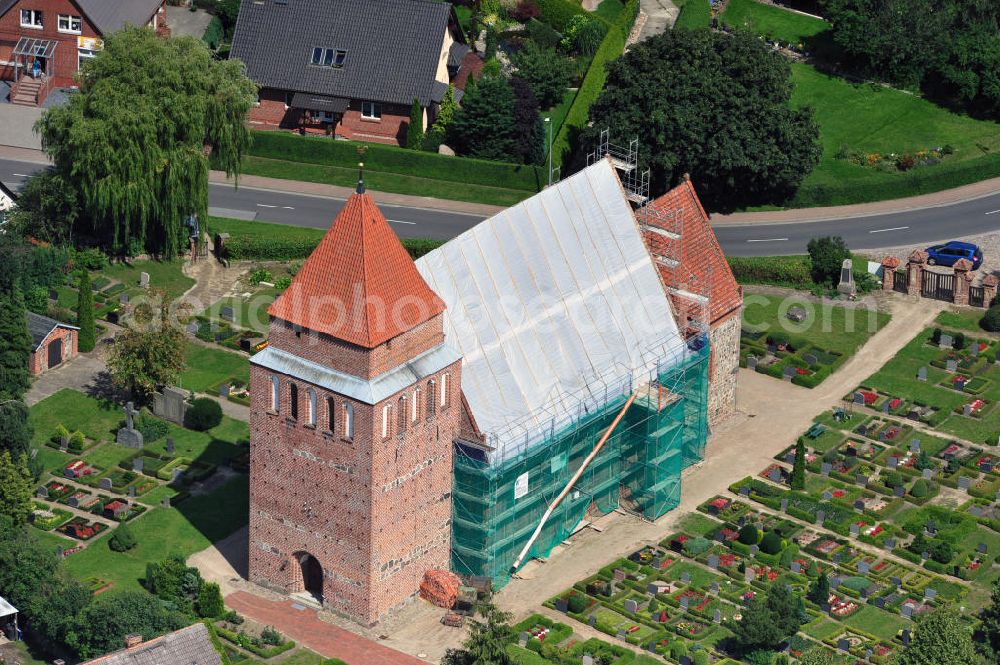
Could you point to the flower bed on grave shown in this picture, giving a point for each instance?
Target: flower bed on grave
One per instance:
(81, 529)
(81, 499)
(841, 607)
(46, 517)
(151, 462)
(977, 408)
(862, 449)
(78, 470)
(543, 629)
(58, 490)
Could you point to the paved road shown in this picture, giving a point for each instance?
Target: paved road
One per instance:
(925, 225)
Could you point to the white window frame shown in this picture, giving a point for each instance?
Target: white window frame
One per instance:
(371, 110)
(313, 399)
(386, 421)
(275, 394)
(444, 390)
(348, 420)
(36, 19)
(83, 54)
(70, 19)
(313, 60)
(415, 407)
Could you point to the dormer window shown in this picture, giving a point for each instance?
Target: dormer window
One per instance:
(328, 57)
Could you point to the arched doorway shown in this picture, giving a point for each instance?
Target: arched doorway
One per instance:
(311, 576)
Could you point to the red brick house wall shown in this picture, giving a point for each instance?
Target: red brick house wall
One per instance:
(272, 112)
(39, 360)
(64, 63)
(375, 512)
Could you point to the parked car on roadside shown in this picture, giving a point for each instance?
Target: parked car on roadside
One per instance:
(946, 254)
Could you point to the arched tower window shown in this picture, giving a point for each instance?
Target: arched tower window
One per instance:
(386, 420)
(275, 394)
(444, 390)
(431, 398)
(293, 399)
(415, 406)
(330, 409)
(403, 414)
(312, 406)
(348, 420)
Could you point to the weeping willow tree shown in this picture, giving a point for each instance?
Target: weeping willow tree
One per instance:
(135, 141)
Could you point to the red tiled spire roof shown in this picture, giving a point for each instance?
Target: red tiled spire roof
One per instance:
(702, 266)
(359, 285)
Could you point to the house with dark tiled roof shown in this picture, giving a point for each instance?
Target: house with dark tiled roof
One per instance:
(351, 68)
(188, 646)
(44, 42)
(52, 342)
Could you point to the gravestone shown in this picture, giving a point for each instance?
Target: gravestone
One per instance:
(772, 348)
(717, 618)
(964, 482)
(748, 575)
(843, 645)
(899, 491)
(752, 362)
(137, 464)
(227, 313)
(73, 502)
(587, 658)
(522, 640)
(176, 475)
(796, 567)
(796, 314)
(859, 399)
(862, 430)
(885, 406)
(859, 506)
(986, 466)
(974, 349)
(144, 280)
(846, 284)
(981, 548)
(905, 637)
(562, 605)
(810, 359)
(892, 461)
(129, 436)
(171, 404)
(631, 606)
(789, 373)
(951, 366)
(224, 391)
(945, 342)
(53, 294)
(863, 568)
(925, 555)
(651, 647)
(967, 408)
(927, 473)
(745, 490)
(686, 660)
(684, 602)
(166, 502)
(753, 550)
(896, 581)
(784, 505)
(720, 537)
(192, 327)
(825, 608)
(906, 611)
(880, 602)
(686, 577)
(105, 484)
(64, 443)
(123, 298)
(827, 495)
(915, 446)
(170, 444)
(774, 475)
(713, 561)
(621, 634)
(836, 557)
(131, 491)
(825, 468)
(592, 619)
(975, 511)
(855, 529)
(922, 374)
(42, 492)
(790, 457)
(820, 517)
(889, 543)
(834, 581)
(868, 655)
(866, 592)
(861, 479)
(652, 589)
(929, 593)
(714, 589)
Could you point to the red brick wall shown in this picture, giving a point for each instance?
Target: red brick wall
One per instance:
(39, 360)
(271, 112)
(391, 128)
(374, 511)
(64, 63)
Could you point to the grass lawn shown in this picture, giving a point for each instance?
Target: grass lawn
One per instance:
(215, 446)
(962, 319)
(558, 112)
(697, 524)
(694, 14)
(240, 227)
(773, 22)
(833, 328)
(98, 420)
(878, 622)
(871, 118)
(382, 181)
(187, 529)
(250, 313)
(208, 366)
(165, 275)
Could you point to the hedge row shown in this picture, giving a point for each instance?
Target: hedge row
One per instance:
(559, 13)
(945, 175)
(390, 159)
(259, 248)
(774, 270)
(593, 83)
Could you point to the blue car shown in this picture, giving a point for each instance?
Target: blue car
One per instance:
(949, 252)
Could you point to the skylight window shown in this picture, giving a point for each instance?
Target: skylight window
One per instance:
(328, 57)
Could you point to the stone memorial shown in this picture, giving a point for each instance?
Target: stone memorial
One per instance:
(137, 464)
(170, 444)
(810, 359)
(861, 479)
(774, 475)
(945, 342)
(915, 446)
(964, 482)
(784, 505)
(859, 506)
(889, 543)
(855, 529)
(745, 490)
(927, 474)
(846, 285)
(843, 645)
(224, 391)
(789, 373)
(42, 492)
(714, 589)
(899, 491)
(166, 502)
(905, 637)
(820, 517)
(880, 602)
(826, 468)
(748, 575)
(975, 511)
(925, 555)
(885, 406)
(863, 567)
(621, 633)
(131, 491)
(717, 618)
(592, 619)
(752, 362)
(796, 567)
(522, 640)
(123, 299)
(859, 399)
(827, 495)
(619, 575)
(73, 502)
(796, 314)
(974, 349)
(631, 606)
(129, 436)
(951, 365)
(105, 484)
(929, 593)
(227, 313)
(834, 582)
(981, 548)
(922, 374)
(192, 327)
(684, 602)
(986, 466)
(176, 475)
(171, 404)
(754, 550)
(896, 581)
(892, 461)
(562, 605)
(686, 577)
(836, 557)
(790, 457)
(144, 280)
(713, 561)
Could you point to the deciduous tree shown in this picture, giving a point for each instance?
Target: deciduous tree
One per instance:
(134, 141)
(940, 638)
(147, 356)
(546, 72)
(103, 625)
(988, 634)
(712, 105)
(827, 255)
(529, 134)
(484, 126)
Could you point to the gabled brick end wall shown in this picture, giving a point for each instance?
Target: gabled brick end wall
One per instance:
(39, 360)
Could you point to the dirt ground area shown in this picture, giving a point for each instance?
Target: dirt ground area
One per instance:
(771, 415)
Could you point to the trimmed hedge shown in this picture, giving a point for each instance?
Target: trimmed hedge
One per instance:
(390, 159)
(593, 83)
(261, 248)
(791, 271)
(558, 13)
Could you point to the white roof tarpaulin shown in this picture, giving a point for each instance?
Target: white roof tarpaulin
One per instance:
(6, 609)
(551, 300)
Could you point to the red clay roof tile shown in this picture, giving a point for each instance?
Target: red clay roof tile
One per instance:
(359, 285)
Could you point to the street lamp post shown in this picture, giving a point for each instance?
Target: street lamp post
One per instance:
(548, 126)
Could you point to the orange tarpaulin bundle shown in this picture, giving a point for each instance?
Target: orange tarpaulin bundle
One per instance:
(440, 587)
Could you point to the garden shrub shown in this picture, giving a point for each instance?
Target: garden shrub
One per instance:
(991, 320)
(700, 658)
(791, 271)
(559, 13)
(760, 657)
(678, 649)
(771, 543)
(151, 427)
(542, 34)
(60, 434)
(577, 603)
(260, 275)
(748, 534)
(958, 341)
(936, 336)
(271, 636)
(920, 488)
(210, 603)
(90, 259)
(695, 546)
(122, 540)
(283, 283)
(204, 414)
(77, 441)
(941, 551)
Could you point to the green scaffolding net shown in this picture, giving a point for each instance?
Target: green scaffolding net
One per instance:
(497, 506)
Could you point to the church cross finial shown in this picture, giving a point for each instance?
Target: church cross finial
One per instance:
(361, 178)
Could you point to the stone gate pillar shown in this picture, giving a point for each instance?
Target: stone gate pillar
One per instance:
(889, 265)
(962, 281)
(990, 289)
(915, 271)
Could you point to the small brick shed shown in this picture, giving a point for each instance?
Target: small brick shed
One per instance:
(52, 343)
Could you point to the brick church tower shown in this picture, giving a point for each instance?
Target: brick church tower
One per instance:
(354, 407)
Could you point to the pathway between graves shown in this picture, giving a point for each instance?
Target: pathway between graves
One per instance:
(773, 414)
(307, 629)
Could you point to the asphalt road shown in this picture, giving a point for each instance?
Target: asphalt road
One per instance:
(915, 227)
